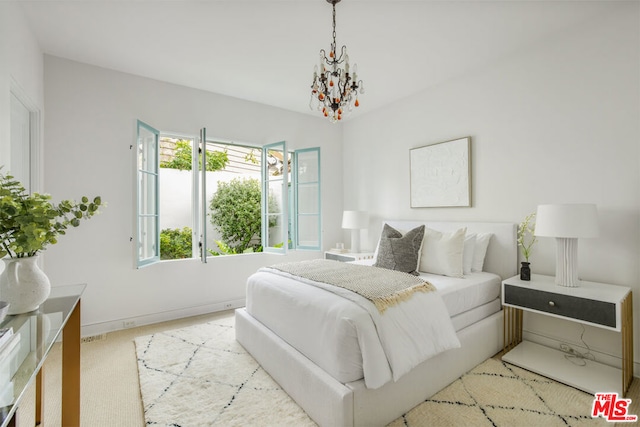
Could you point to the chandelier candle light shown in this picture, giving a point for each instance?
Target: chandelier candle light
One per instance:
(335, 89)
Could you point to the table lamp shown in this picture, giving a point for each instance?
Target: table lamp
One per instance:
(355, 221)
(567, 222)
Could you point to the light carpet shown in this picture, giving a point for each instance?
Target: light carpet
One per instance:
(201, 376)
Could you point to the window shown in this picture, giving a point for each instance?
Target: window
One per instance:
(186, 211)
(148, 232)
(275, 182)
(306, 208)
(176, 196)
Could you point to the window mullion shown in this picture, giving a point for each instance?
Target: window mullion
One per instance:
(203, 195)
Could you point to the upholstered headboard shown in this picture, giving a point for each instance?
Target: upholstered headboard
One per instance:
(502, 253)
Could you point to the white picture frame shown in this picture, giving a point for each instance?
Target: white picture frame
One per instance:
(441, 174)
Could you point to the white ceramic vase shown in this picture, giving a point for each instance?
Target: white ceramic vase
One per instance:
(23, 285)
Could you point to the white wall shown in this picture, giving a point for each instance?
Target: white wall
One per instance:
(90, 125)
(21, 72)
(559, 122)
(21, 65)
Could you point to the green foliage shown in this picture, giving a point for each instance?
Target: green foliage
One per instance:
(281, 244)
(251, 157)
(235, 213)
(176, 243)
(526, 238)
(226, 250)
(30, 222)
(216, 160)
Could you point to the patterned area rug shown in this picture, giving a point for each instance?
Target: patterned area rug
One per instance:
(495, 393)
(200, 376)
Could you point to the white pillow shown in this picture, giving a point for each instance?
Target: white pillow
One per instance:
(442, 252)
(467, 253)
(482, 243)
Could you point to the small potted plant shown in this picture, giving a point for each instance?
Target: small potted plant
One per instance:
(28, 224)
(526, 239)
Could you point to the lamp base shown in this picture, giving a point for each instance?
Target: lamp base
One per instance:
(355, 241)
(567, 262)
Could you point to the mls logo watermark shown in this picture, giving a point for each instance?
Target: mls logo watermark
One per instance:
(612, 408)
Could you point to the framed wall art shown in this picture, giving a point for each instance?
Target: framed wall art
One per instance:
(441, 174)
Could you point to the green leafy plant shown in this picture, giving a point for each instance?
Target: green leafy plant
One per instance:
(31, 222)
(226, 250)
(176, 243)
(216, 160)
(526, 238)
(251, 157)
(236, 215)
(281, 244)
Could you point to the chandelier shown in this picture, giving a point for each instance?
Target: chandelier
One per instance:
(335, 86)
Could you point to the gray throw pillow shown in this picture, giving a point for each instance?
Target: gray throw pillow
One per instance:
(398, 252)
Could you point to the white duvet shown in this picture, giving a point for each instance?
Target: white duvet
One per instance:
(392, 343)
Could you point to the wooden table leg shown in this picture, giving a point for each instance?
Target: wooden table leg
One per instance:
(40, 336)
(39, 397)
(71, 370)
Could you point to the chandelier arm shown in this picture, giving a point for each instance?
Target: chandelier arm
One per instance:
(343, 93)
(340, 59)
(325, 58)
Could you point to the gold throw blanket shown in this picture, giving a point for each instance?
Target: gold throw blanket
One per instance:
(384, 288)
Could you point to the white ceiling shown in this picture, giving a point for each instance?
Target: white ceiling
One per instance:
(265, 50)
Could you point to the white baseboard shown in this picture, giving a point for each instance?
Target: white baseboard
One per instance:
(604, 358)
(148, 319)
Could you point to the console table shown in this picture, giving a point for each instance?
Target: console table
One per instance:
(58, 317)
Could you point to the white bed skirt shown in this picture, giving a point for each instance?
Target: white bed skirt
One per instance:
(331, 403)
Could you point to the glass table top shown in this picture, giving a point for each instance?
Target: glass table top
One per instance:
(34, 334)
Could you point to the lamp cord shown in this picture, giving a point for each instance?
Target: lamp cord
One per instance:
(577, 357)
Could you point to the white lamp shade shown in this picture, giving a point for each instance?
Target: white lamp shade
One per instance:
(567, 220)
(355, 220)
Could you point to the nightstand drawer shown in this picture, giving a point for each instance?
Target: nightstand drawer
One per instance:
(339, 257)
(588, 310)
(348, 256)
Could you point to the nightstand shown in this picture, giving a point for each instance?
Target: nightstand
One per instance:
(596, 304)
(348, 256)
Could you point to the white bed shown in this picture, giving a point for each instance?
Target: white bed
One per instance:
(329, 385)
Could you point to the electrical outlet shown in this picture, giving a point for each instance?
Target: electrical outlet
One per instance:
(228, 305)
(129, 324)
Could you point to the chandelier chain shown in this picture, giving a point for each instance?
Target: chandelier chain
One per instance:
(334, 29)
